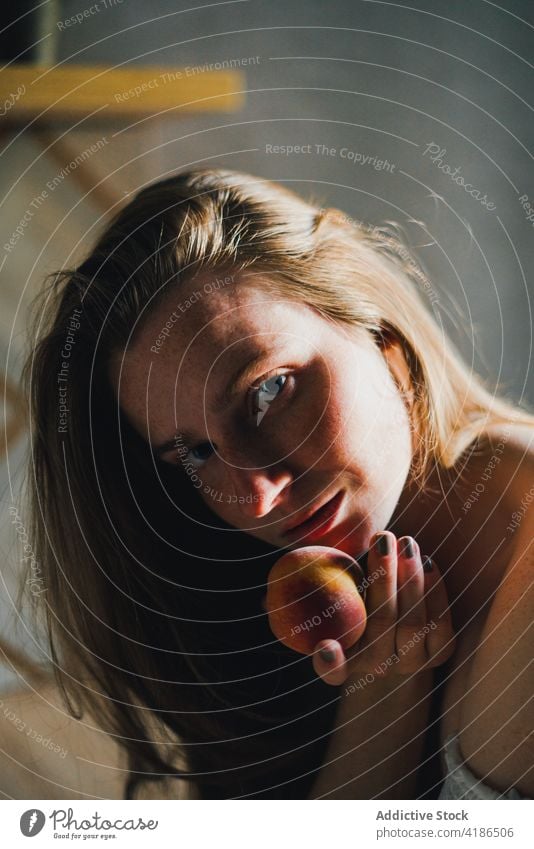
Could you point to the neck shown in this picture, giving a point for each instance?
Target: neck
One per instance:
(425, 513)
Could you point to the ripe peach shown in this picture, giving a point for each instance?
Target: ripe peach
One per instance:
(312, 596)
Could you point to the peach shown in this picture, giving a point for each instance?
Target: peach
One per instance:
(312, 596)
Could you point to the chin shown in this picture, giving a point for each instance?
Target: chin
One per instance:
(353, 542)
(345, 537)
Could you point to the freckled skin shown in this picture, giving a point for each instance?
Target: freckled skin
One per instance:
(339, 422)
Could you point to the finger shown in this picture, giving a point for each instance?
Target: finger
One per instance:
(329, 662)
(440, 640)
(381, 598)
(412, 616)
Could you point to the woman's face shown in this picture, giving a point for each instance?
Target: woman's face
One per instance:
(317, 415)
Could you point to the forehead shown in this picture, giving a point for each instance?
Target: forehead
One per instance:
(198, 318)
(205, 328)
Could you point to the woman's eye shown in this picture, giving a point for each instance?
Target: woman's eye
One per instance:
(197, 455)
(266, 392)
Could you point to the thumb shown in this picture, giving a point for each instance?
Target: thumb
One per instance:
(329, 662)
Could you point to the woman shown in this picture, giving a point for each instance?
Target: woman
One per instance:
(227, 360)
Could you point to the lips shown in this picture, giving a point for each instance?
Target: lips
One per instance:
(318, 523)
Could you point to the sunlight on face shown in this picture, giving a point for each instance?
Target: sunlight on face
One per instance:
(268, 410)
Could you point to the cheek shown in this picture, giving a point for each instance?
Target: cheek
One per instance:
(372, 426)
(214, 485)
(215, 492)
(314, 426)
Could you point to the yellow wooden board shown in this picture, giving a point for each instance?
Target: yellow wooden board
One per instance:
(28, 91)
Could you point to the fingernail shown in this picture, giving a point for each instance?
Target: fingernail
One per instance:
(383, 544)
(427, 564)
(407, 547)
(327, 655)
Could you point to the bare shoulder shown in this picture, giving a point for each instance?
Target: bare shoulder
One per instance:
(518, 463)
(514, 440)
(47, 754)
(497, 714)
(503, 466)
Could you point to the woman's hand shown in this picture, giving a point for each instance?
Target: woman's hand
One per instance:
(409, 625)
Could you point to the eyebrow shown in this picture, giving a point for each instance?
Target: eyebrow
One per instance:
(221, 401)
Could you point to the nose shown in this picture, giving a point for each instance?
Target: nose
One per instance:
(257, 490)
